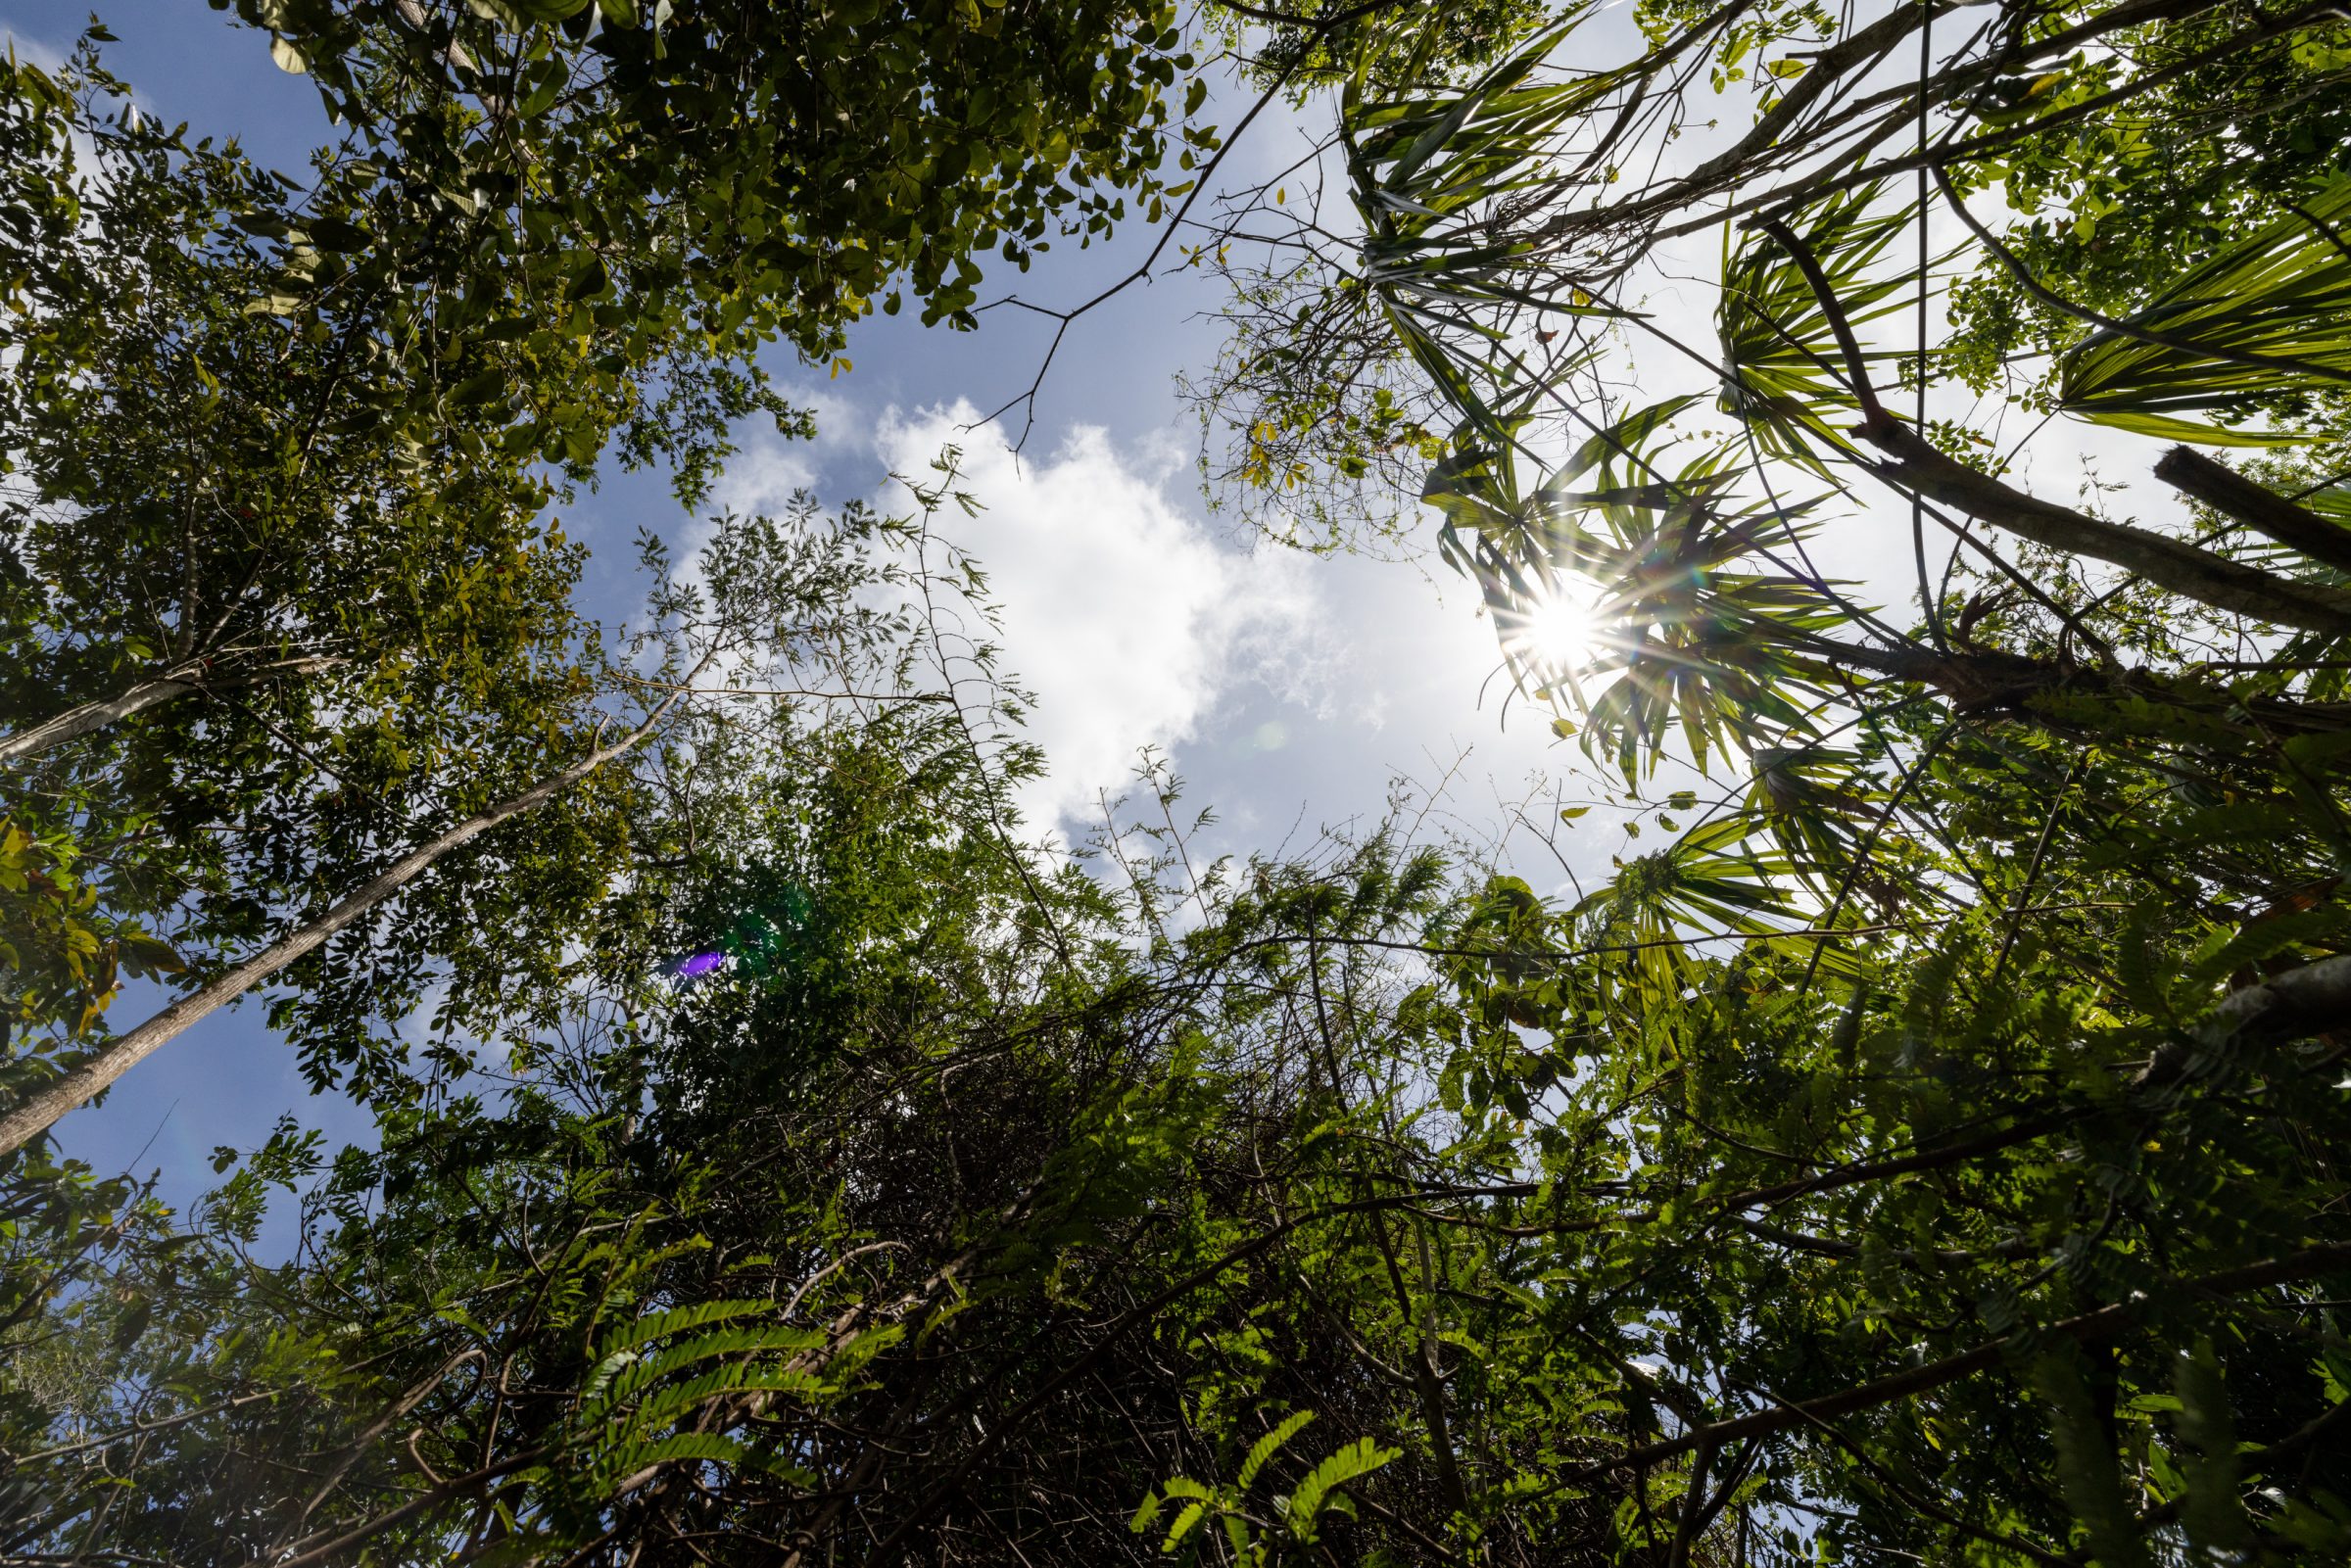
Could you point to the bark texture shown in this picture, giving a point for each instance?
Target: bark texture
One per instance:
(35, 1114)
(89, 717)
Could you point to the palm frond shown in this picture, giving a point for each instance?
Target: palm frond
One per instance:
(2282, 295)
(1784, 373)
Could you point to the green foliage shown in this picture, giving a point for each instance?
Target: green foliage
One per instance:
(1924, 1152)
(1299, 48)
(1928, 1053)
(1777, 338)
(1320, 1490)
(2279, 298)
(256, 628)
(2213, 143)
(752, 174)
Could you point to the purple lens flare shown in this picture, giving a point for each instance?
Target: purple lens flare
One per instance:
(698, 965)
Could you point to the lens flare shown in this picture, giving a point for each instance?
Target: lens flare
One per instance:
(1554, 634)
(769, 937)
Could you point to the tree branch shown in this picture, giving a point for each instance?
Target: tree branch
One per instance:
(2224, 490)
(88, 717)
(2087, 1328)
(1921, 468)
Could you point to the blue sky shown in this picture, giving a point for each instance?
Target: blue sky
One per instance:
(1289, 691)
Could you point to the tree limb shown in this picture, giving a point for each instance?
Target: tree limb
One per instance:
(2224, 490)
(34, 1114)
(87, 717)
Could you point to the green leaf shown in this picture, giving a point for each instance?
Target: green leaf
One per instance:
(1268, 1446)
(1182, 1525)
(589, 279)
(1351, 1463)
(482, 386)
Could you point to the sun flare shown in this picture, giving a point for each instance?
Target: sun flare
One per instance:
(1556, 633)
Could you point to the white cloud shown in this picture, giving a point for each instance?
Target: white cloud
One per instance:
(763, 477)
(1125, 617)
(1284, 686)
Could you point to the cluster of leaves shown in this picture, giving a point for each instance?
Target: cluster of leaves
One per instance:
(316, 423)
(287, 628)
(1928, 1153)
(958, 1186)
(1298, 49)
(749, 174)
(2217, 145)
(909, 1225)
(261, 633)
(2014, 916)
(284, 620)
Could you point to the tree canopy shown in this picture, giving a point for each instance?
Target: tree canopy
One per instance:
(1924, 1143)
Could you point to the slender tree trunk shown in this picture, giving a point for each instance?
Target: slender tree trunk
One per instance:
(2168, 562)
(35, 1114)
(88, 717)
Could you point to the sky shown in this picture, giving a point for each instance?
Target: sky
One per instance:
(1290, 692)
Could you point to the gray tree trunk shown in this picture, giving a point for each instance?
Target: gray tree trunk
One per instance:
(34, 1116)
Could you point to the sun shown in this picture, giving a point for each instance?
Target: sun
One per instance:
(1555, 634)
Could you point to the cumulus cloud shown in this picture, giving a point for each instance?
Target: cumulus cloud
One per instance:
(1281, 683)
(1120, 612)
(763, 477)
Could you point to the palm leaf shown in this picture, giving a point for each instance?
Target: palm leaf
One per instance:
(1786, 375)
(2282, 293)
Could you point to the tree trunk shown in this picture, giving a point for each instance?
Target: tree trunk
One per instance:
(37, 1114)
(2168, 562)
(88, 717)
(2223, 489)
